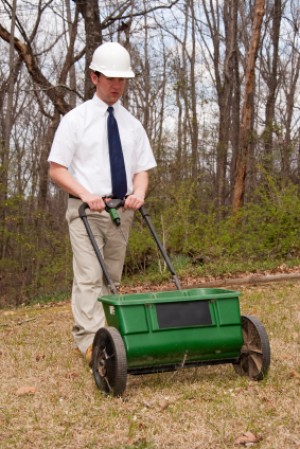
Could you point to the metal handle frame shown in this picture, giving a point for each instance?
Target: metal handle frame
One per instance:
(112, 287)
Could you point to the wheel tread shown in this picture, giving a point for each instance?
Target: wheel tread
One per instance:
(114, 376)
(254, 333)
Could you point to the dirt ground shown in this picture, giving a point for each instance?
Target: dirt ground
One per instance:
(49, 400)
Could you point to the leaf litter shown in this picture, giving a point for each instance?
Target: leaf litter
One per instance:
(49, 398)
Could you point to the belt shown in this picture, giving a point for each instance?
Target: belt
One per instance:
(74, 197)
(106, 196)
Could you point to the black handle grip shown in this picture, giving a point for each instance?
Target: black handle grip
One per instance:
(110, 203)
(82, 209)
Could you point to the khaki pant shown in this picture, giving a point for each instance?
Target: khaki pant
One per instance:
(88, 282)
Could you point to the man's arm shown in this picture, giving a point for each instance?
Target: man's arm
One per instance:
(140, 186)
(63, 179)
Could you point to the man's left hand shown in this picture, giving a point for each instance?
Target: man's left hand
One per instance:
(133, 201)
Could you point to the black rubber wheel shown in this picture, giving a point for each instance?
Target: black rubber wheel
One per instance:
(109, 362)
(255, 354)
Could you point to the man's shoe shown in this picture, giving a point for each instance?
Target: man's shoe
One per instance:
(88, 355)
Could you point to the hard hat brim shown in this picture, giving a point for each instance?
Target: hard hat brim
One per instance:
(113, 73)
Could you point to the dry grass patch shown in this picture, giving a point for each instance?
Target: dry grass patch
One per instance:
(49, 398)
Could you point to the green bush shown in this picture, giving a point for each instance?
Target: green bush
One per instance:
(37, 260)
(267, 229)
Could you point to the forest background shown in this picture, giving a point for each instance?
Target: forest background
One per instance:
(217, 89)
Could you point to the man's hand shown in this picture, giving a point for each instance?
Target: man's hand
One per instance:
(62, 177)
(137, 198)
(95, 202)
(134, 201)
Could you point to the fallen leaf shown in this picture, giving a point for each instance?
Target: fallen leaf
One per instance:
(295, 374)
(147, 404)
(22, 391)
(71, 375)
(164, 404)
(247, 439)
(8, 313)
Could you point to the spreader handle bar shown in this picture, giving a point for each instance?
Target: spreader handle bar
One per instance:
(145, 216)
(84, 218)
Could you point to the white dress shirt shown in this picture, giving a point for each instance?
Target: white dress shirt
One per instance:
(81, 145)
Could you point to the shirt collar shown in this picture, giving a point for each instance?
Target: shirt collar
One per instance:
(100, 103)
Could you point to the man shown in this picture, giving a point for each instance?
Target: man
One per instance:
(81, 164)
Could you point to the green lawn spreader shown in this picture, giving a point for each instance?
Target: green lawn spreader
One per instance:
(157, 332)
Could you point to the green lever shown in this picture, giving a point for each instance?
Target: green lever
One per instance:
(114, 216)
(111, 206)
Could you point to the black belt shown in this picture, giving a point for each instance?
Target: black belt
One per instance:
(110, 196)
(74, 197)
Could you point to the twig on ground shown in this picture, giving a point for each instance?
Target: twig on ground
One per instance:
(18, 323)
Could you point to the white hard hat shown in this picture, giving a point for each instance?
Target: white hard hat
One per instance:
(113, 60)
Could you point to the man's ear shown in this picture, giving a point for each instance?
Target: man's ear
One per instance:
(94, 78)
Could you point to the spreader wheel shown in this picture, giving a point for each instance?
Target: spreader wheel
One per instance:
(255, 354)
(109, 362)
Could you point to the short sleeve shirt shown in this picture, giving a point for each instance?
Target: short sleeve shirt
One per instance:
(81, 145)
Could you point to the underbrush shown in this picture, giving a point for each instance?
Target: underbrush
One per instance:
(264, 232)
(200, 240)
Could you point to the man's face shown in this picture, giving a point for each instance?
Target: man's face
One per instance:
(108, 90)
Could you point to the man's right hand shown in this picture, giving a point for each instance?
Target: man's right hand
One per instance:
(95, 202)
(62, 177)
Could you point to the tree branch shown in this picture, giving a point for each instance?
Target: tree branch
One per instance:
(25, 53)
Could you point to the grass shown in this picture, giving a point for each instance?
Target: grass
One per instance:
(49, 399)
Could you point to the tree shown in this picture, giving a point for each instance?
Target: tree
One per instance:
(7, 127)
(270, 64)
(287, 133)
(47, 66)
(224, 59)
(246, 131)
(216, 90)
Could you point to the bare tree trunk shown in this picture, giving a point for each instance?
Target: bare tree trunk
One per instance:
(4, 146)
(194, 117)
(180, 127)
(146, 76)
(298, 164)
(43, 162)
(224, 75)
(272, 83)
(185, 160)
(236, 98)
(125, 28)
(248, 108)
(72, 74)
(89, 9)
(159, 137)
(290, 80)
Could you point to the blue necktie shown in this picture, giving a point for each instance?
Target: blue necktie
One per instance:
(117, 166)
